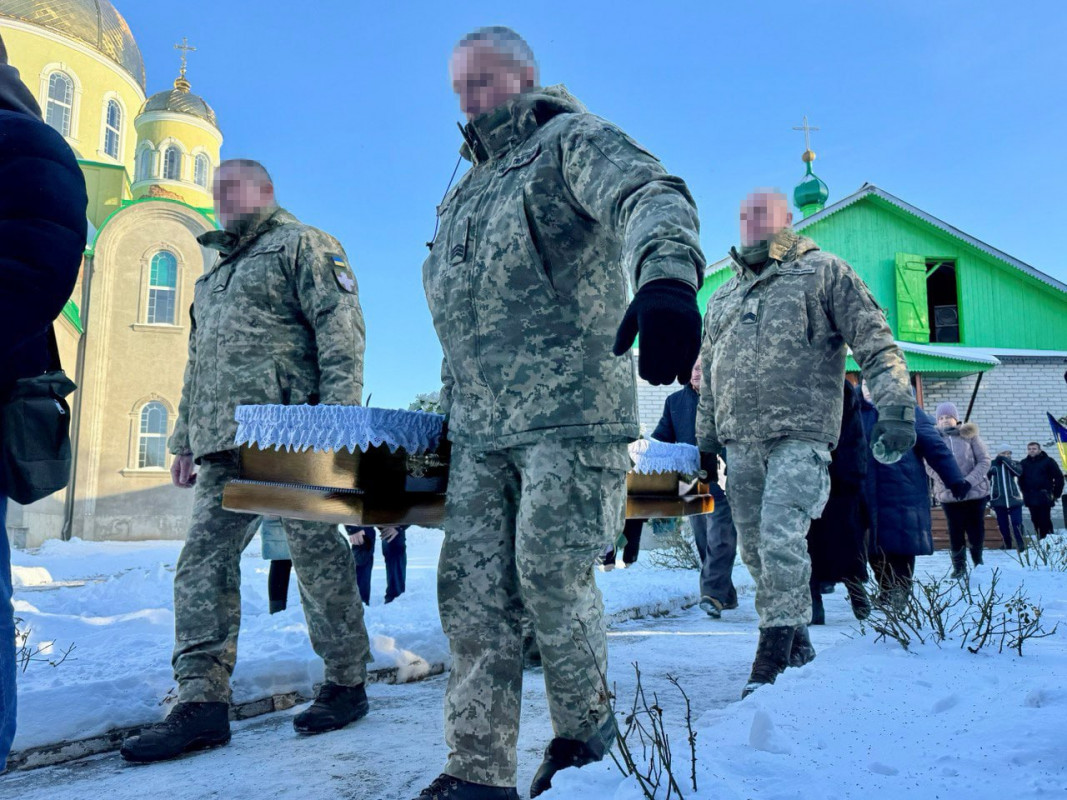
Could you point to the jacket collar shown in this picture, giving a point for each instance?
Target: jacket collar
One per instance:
(786, 247)
(229, 244)
(493, 134)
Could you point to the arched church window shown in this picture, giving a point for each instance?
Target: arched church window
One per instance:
(112, 128)
(144, 164)
(200, 171)
(60, 102)
(162, 288)
(152, 437)
(172, 163)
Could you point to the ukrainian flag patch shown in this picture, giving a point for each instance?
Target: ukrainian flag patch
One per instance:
(342, 273)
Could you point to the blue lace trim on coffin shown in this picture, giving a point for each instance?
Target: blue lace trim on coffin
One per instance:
(652, 455)
(337, 428)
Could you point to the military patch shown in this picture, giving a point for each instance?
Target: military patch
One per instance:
(342, 273)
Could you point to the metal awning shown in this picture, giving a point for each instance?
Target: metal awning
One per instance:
(940, 360)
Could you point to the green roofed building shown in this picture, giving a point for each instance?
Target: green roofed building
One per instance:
(975, 324)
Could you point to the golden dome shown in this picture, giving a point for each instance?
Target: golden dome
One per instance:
(94, 22)
(181, 100)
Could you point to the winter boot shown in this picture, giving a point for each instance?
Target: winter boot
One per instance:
(802, 651)
(563, 753)
(188, 727)
(711, 607)
(818, 610)
(772, 657)
(335, 706)
(857, 597)
(976, 556)
(445, 787)
(959, 565)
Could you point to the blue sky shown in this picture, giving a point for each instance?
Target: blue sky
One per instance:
(960, 108)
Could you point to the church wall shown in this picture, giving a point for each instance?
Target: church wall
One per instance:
(192, 136)
(130, 363)
(35, 51)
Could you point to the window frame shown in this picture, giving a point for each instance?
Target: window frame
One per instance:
(171, 147)
(153, 438)
(68, 105)
(158, 288)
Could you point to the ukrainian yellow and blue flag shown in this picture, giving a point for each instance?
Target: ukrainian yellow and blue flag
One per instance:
(1059, 433)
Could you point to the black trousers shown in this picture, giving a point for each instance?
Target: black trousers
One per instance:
(892, 570)
(631, 531)
(1041, 516)
(966, 526)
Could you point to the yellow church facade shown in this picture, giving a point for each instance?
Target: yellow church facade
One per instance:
(148, 161)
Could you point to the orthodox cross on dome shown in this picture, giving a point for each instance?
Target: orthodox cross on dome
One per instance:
(185, 47)
(809, 156)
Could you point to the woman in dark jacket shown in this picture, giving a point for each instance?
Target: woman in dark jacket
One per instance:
(836, 539)
(1006, 498)
(897, 497)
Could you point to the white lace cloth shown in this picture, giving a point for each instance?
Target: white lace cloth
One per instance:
(337, 428)
(652, 455)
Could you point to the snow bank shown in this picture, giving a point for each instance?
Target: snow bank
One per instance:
(113, 602)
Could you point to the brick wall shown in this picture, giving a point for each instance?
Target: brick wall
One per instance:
(1011, 402)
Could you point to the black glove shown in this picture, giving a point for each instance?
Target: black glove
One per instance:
(709, 465)
(665, 313)
(893, 434)
(960, 490)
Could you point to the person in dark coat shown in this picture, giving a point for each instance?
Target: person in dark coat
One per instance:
(1006, 498)
(714, 534)
(1041, 483)
(42, 237)
(836, 539)
(897, 498)
(394, 551)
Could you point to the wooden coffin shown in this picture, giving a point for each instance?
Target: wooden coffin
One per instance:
(379, 487)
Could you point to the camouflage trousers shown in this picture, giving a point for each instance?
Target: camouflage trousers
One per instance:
(523, 529)
(776, 488)
(207, 592)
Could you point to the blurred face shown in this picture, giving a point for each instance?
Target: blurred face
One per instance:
(763, 214)
(1033, 449)
(484, 78)
(240, 193)
(697, 374)
(946, 421)
(1005, 453)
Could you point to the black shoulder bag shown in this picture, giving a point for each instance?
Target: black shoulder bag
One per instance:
(35, 453)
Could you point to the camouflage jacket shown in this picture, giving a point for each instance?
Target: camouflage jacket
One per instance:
(527, 277)
(774, 349)
(275, 320)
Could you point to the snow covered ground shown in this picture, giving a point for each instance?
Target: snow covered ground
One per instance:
(113, 602)
(864, 720)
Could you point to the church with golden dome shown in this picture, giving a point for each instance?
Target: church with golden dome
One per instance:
(148, 162)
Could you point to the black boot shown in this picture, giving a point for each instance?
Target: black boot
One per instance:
(445, 787)
(563, 753)
(959, 565)
(802, 651)
(818, 610)
(772, 657)
(188, 727)
(857, 597)
(335, 706)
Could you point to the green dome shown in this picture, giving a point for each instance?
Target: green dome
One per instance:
(811, 193)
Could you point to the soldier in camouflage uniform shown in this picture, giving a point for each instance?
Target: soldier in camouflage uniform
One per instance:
(773, 361)
(276, 320)
(527, 283)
